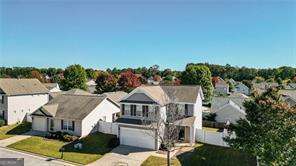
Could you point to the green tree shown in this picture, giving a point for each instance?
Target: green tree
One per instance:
(74, 77)
(91, 73)
(106, 83)
(199, 75)
(268, 130)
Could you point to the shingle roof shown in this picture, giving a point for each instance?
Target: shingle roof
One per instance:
(74, 107)
(291, 93)
(49, 86)
(237, 98)
(166, 94)
(186, 121)
(115, 96)
(12, 87)
(77, 92)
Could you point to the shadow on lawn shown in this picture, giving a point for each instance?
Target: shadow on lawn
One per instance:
(215, 155)
(20, 128)
(96, 143)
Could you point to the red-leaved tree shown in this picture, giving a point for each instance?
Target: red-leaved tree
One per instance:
(128, 81)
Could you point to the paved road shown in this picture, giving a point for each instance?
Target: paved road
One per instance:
(124, 156)
(30, 160)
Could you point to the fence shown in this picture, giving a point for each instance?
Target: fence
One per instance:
(108, 127)
(211, 137)
(212, 124)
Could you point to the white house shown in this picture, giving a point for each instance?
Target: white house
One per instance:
(74, 113)
(52, 87)
(229, 108)
(91, 86)
(20, 97)
(220, 86)
(242, 88)
(148, 103)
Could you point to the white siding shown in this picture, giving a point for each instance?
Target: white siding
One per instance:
(19, 107)
(39, 123)
(231, 114)
(104, 111)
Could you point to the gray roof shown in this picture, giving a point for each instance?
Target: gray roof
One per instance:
(167, 94)
(12, 87)
(237, 98)
(49, 86)
(115, 96)
(291, 93)
(73, 107)
(186, 121)
(77, 92)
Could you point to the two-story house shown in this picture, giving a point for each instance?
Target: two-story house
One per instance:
(220, 86)
(20, 97)
(149, 103)
(242, 88)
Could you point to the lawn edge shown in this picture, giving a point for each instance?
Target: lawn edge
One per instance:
(43, 156)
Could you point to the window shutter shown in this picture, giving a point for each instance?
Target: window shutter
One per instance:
(122, 109)
(62, 124)
(73, 124)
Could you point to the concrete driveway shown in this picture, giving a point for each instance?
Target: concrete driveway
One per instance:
(124, 156)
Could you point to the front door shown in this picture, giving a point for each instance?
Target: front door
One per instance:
(181, 134)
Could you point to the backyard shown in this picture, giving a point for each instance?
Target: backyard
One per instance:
(205, 154)
(94, 147)
(15, 129)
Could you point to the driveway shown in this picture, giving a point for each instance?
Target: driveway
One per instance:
(124, 156)
(30, 160)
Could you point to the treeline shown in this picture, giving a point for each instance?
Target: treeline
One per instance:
(245, 73)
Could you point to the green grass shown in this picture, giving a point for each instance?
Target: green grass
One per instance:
(94, 147)
(16, 129)
(207, 155)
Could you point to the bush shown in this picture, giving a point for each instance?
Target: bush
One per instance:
(113, 142)
(69, 138)
(2, 122)
(62, 136)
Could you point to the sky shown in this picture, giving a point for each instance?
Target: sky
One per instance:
(131, 33)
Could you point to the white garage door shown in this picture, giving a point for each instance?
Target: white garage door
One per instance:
(137, 137)
(39, 124)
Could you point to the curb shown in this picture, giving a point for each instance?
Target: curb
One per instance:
(64, 162)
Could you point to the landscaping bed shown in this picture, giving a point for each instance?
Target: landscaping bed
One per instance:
(94, 147)
(206, 155)
(16, 129)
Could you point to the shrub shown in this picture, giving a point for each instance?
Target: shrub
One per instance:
(69, 138)
(113, 142)
(2, 122)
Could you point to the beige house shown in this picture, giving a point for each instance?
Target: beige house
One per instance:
(147, 104)
(20, 97)
(77, 114)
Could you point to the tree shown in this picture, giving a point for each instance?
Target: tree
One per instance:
(106, 83)
(128, 81)
(74, 77)
(91, 74)
(36, 74)
(199, 75)
(166, 129)
(268, 130)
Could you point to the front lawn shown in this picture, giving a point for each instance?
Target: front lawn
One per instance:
(16, 129)
(206, 155)
(94, 147)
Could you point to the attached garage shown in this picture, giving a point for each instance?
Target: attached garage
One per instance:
(39, 123)
(137, 137)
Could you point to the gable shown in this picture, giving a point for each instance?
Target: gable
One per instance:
(139, 98)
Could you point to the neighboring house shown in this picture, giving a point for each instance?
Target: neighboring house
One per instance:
(232, 81)
(263, 86)
(229, 108)
(74, 113)
(155, 80)
(52, 87)
(289, 96)
(290, 86)
(146, 102)
(241, 88)
(220, 86)
(91, 86)
(20, 97)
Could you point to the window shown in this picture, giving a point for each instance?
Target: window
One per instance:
(186, 109)
(122, 109)
(67, 125)
(145, 111)
(71, 125)
(2, 99)
(133, 110)
(156, 111)
(51, 125)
